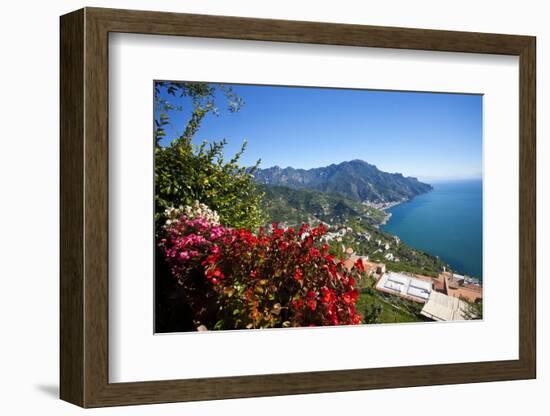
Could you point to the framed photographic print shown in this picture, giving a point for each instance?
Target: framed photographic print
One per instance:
(256, 207)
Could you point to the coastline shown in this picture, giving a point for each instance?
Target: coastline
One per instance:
(459, 265)
(382, 206)
(385, 206)
(389, 205)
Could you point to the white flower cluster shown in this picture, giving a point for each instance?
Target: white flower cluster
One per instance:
(197, 210)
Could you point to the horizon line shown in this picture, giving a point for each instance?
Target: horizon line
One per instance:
(420, 177)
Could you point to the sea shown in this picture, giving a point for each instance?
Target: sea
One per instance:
(446, 222)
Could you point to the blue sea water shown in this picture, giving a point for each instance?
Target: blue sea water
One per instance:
(446, 222)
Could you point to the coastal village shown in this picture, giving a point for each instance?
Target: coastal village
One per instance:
(444, 298)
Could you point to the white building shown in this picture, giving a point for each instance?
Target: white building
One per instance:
(459, 278)
(440, 307)
(405, 286)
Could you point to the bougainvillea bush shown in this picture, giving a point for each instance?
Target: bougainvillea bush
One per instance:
(233, 278)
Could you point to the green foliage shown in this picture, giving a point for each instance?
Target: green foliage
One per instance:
(185, 173)
(297, 206)
(418, 266)
(372, 314)
(384, 309)
(202, 97)
(474, 310)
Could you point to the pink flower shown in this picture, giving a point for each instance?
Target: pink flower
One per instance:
(258, 270)
(216, 232)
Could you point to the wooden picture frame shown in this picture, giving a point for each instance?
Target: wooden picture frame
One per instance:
(84, 207)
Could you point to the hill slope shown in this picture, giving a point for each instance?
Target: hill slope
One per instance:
(351, 224)
(297, 206)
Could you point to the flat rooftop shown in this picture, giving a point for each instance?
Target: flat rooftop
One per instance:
(405, 286)
(441, 307)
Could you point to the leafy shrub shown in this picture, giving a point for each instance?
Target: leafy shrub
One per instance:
(474, 310)
(372, 313)
(233, 278)
(185, 173)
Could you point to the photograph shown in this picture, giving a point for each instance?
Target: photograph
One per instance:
(301, 206)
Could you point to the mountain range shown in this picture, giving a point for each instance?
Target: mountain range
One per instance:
(355, 179)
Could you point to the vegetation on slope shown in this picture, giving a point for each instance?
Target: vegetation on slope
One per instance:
(352, 225)
(297, 206)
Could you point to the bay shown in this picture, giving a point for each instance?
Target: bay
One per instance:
(446, 222)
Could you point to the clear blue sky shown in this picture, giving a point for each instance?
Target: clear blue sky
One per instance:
(430, 136)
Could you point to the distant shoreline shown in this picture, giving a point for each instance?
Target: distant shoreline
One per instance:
(460, 264)
(388, 215)
(383, 206)
(389, 205)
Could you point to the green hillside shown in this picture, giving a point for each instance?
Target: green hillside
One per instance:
(351, 224)
(297, 206)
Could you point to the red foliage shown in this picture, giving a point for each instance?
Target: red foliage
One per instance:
(275, 278)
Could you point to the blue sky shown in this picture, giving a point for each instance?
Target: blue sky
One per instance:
(430, 136)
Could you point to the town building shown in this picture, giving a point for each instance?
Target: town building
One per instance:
(405, 286)
(460, 287)
(441, 307)
(422, 289)
(444, 297)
